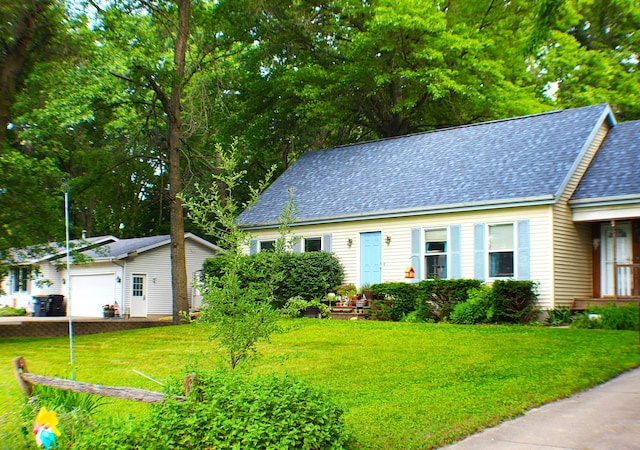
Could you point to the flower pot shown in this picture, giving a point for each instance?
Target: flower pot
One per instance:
(108, 313)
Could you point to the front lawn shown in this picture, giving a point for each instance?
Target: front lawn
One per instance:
(401, 385)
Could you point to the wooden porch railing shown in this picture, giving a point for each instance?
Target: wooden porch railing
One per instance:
(627, 280)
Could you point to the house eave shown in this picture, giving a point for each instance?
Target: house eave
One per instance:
(421, 211)
(605, 208)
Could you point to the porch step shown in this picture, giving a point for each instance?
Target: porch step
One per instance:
(582, 304)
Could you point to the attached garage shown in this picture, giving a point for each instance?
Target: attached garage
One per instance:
(90, 292)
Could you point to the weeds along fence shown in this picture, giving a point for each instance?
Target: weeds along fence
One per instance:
(26, 380)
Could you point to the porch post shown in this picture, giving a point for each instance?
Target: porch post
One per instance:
(615, 260)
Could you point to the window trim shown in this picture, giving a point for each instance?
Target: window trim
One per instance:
(513, 250)
(303, 247)
(446, 253)
(20, 277)
(261, 241)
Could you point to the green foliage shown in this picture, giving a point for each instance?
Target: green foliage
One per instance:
(75, 411)
(7, 311)
(515, 300)
(294, 307)
(393, 300)
(438, 371)
(242, 313)
(233, 411)
(309, 275)
(114, 433)
(479, 308)
(506, 301)
(559, 316)
(609, 317)
(438, 297)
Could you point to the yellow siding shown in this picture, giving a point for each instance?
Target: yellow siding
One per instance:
(572, 241)
(396, 256)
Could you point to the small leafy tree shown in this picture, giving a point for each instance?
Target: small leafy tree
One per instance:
(241, 315)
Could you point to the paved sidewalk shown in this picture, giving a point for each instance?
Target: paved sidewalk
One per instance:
(606, 417)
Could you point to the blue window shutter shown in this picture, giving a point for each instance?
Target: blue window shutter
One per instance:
(326, 242)
(455, 252)
(253, 247)
(297, 245)
(524, 252)
(479, 256)
(416, 253)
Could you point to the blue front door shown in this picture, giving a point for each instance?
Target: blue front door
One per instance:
(370, 257)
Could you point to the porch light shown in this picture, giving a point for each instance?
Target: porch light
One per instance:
(388, 240)
(349, 242)
(596, 243)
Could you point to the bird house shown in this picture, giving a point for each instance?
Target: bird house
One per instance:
(409, 272)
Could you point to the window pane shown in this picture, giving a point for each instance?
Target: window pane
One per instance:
(312, 245)
(137, 286)
(267, 246)
(501, 264)
(501, 237)
(435, 241)
(436, 266)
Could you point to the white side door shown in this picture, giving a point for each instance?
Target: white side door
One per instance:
(138, 295)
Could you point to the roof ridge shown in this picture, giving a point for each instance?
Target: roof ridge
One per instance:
(469, 125)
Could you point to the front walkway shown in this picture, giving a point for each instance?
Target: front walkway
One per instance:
(606, 417)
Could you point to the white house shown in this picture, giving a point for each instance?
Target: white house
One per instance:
(134, 274)
(553, 198)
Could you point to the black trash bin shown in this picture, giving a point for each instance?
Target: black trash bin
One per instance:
(40, 305)
(56, 306)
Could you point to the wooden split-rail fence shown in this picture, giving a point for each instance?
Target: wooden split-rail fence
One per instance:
(26, 381)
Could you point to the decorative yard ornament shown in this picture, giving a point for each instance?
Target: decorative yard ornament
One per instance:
(45, 428)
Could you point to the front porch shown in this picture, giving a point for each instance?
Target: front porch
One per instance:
(583, 304)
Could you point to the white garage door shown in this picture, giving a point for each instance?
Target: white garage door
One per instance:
(90, 292)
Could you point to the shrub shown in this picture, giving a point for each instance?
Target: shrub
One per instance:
(392, 301)
(308, 275)
(438, 297)
(233, 411)
(515, 300)
(479, 308)
(7, 311)
(609, 317)
(558, 316)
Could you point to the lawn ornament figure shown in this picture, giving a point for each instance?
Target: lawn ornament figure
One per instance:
(45, 428)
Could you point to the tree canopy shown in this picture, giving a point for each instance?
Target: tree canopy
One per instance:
(126, 100)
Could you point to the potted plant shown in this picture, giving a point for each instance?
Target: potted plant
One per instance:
(109, 310)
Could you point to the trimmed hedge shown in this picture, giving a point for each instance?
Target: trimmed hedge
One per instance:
(308, 275)
(505, 301)
(433, 300)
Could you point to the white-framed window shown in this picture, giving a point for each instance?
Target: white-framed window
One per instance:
(436, 248)
(20, 279)
(501, 250)
(312, 244)
(267, 245)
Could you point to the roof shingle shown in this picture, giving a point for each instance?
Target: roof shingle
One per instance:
(512, 159)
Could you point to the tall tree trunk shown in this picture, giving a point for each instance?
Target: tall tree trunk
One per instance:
(178, 262)
(16, 51)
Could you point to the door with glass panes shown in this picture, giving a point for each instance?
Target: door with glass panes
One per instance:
(138, 295)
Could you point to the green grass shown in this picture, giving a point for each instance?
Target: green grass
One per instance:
(402, 385)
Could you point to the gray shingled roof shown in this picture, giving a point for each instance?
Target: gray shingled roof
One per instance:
(614, 170)
(124, 246)
(501, 161)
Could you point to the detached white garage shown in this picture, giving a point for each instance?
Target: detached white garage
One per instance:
(89, 292)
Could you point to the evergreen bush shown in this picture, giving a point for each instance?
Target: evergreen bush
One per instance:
(308, 275)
